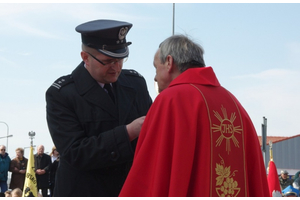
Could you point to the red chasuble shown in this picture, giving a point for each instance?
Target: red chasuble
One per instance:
(197, 140)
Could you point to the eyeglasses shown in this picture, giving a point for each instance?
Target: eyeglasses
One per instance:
(2, 149)
(108, 62)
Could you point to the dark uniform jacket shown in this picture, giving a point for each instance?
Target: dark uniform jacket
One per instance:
(89, 131)
(42, 162)
(17, 179)
(52, 171)
(285, 182)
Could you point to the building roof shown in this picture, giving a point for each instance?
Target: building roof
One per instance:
(271, 138)
(275, 139)
(286, 149)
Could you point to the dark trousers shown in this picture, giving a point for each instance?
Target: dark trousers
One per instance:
(51, 189)
(44, 191)
(3, 186)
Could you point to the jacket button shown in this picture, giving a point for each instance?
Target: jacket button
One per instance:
(113, 154)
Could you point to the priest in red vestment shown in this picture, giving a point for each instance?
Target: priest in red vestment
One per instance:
(197, 139)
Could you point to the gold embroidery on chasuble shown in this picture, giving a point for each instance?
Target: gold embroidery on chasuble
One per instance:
(226, 129)
(227, 185)
(228, 177)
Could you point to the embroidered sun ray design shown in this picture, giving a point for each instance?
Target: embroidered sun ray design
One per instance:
(224, 112)
(226, 128)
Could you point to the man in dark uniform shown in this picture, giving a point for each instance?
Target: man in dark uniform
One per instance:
(95, 114)
(42, 163)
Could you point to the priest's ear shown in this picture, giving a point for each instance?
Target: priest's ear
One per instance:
(170, 64)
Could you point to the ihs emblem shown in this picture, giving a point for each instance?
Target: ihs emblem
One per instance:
(227, 129)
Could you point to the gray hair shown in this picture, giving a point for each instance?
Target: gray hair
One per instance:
(186, 53)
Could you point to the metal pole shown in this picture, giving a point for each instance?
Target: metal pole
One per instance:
(265, 123)
(264, 138)
(265, 131)
(271, 150)
(7, 135)
(173, 18)
(31, 136)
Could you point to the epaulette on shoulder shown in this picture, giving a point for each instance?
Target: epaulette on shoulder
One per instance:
(132, 72)
(62, 81)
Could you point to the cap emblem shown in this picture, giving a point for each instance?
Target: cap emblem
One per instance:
(122, 33)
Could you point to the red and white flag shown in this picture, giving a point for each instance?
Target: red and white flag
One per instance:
(273, 180)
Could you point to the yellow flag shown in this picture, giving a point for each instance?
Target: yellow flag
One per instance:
(30, 185)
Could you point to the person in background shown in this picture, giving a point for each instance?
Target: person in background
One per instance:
(18, 167)
(7, 193)
(95, 114)
(4, 168)
(17, 192)
(42, 164)
(297, 175)
(53, 168)
(54, 154)
(197, 139)
(290, 191)
(284, 179)
(296, 183)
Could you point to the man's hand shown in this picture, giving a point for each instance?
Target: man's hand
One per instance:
(40, 171)
(134, 128)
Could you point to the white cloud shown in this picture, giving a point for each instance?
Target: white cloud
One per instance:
(7, 62)
(26, 28)
(10, 10)
(270, 74)
(35, 19)
(293, 54)
(274, 94)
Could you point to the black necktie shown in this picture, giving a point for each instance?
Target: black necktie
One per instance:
(109, 91)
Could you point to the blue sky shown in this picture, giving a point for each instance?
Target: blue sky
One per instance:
(253, 48)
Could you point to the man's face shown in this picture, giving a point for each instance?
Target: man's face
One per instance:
(19, 154)
(40, 150)
(162, 76)
(2, 150)
(108, 73)
(284, 176)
